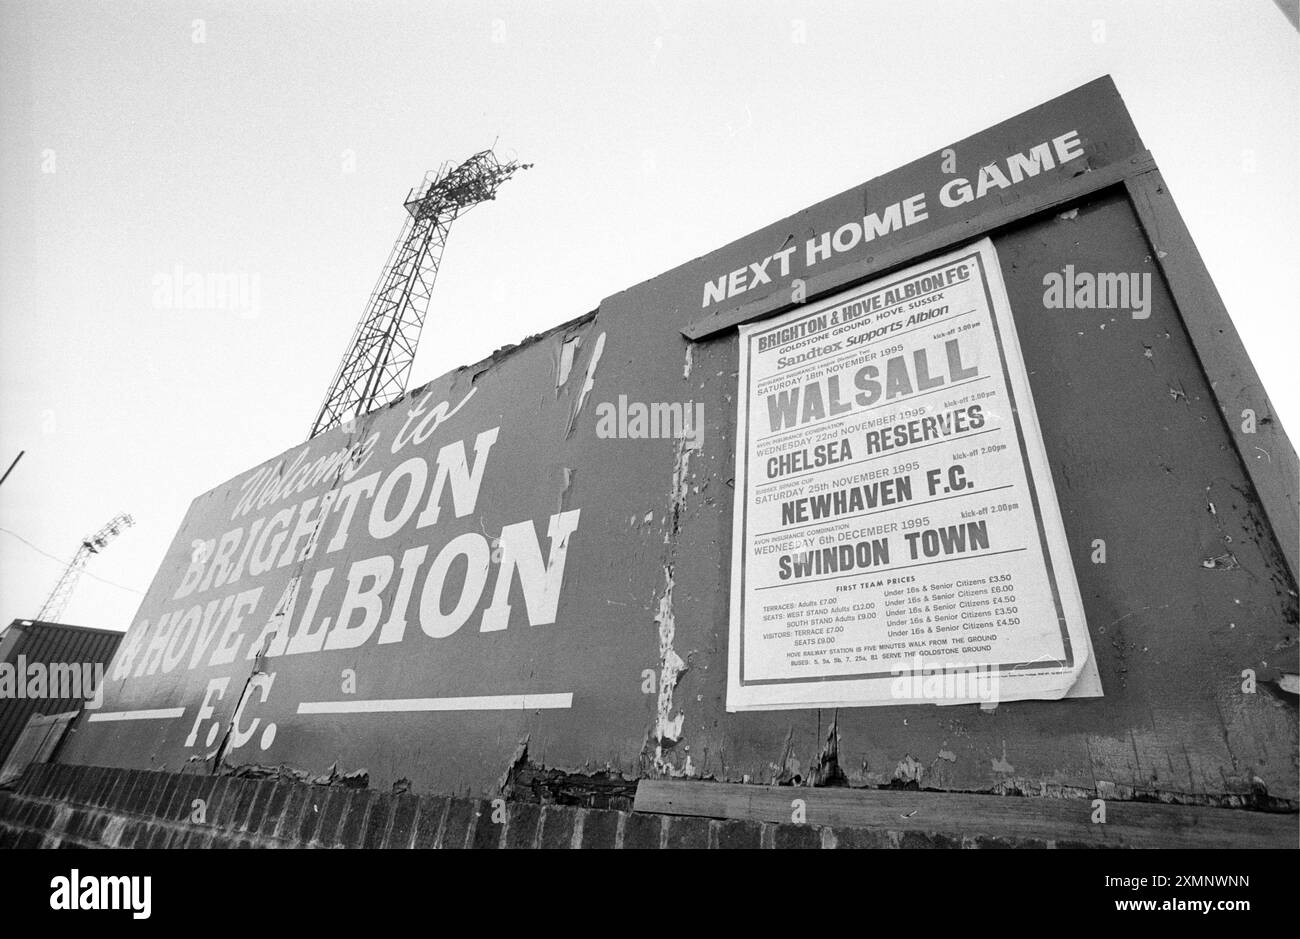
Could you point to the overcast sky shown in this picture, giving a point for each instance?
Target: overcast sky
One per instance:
(275, 141)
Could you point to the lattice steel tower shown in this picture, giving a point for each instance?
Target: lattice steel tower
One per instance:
(378, 360)
(92, 544)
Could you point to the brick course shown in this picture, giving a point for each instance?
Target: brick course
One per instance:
(54, 805)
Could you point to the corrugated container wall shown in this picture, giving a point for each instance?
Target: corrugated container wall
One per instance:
(47, 644)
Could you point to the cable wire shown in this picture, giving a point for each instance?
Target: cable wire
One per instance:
(84, 572)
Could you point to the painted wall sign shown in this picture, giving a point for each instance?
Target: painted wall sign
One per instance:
(367, 576)
(952, 192)
(896, 532)
(565, 493)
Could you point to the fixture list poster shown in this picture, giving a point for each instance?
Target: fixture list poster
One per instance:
(897, 538)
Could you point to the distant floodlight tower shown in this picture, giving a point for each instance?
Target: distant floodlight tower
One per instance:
(377, 364)
(92, 544)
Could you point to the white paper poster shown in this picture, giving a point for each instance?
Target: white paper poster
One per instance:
(897, 538)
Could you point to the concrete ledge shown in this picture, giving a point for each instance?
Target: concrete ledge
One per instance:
(902, 818)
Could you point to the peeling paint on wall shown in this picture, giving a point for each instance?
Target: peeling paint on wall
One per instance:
(1001, 765)
(908, 772)
(825, 770)
(588, 382)
(568, 349)
(566, 487)
(668, 728)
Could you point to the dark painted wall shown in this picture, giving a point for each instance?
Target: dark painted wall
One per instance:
(1194, 589)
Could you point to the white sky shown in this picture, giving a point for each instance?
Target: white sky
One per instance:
(660, 132)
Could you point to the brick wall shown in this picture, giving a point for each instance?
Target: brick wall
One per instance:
(56, 805)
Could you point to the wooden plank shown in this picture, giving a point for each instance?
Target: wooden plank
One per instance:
(1267, 454)
(1127, 825)
(847, 275)
(35, 744)
(58, 727)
